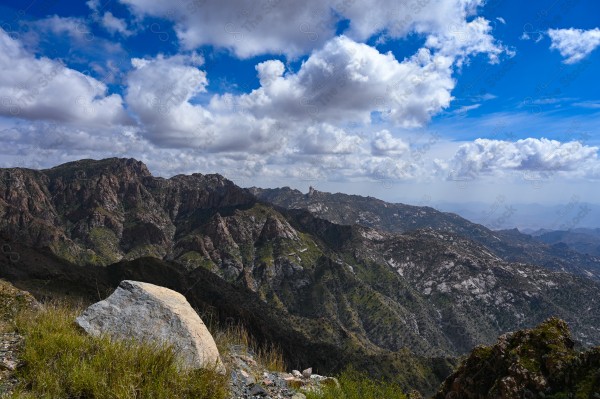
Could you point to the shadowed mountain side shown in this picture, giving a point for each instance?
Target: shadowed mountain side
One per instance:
(304, 341)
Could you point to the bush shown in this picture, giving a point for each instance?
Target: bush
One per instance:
(60, 361)
(357, 385)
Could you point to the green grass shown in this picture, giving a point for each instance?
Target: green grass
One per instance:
(60, 361)
(357, 385)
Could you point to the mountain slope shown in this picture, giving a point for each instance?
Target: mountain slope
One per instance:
(334, 288)
(304, 340)
(511, 246)
(586, 241)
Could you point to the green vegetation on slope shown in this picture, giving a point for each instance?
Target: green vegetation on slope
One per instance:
(357, 385)
(60, 361)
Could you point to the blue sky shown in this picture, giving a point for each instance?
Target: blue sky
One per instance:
(399, 99)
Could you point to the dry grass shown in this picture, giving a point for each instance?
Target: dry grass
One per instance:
(269, 356)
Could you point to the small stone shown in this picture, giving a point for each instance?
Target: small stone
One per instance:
(296, 373)
(268, 382)
(307, 373)
(8, 364)
(257, 390)
(298, 396)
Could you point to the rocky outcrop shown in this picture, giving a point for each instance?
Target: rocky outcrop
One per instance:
(149, 313)
(536, 363)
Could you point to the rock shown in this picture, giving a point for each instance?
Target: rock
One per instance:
(298, 396)
(296, 373)
(268, 382)
(149, 313)
(526, 363)
(257, 390)
(307, 373)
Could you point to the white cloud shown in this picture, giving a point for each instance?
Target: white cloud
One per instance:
(574, 44)
(588, 104)
(489, 157)
(159, 91)
(295, 28)
(115, 25)
(465, 39)
(384, 143)
(41, 88)
(76, 28)
(162, 91)
(346, 81)
(328, 139)
(465, 109)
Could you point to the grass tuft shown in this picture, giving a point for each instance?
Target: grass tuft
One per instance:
(61, 361)
(356, 385)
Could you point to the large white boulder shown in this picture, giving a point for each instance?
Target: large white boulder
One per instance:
(149, 313)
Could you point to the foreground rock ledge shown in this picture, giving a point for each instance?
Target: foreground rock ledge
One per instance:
(149, 313)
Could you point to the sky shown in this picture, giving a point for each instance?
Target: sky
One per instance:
(419, 101)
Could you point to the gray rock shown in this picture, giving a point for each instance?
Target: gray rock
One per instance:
(296, 373)
(149, 313)
(307, 373)
(257, 390)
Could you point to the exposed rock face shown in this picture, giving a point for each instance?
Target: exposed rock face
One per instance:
(535, 363)
(99, 212)
(149, 313)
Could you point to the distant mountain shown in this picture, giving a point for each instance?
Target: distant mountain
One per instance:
(340, 291)
(509, 245)
(585, 241)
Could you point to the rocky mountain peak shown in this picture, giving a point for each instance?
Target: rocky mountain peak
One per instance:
(86, 168)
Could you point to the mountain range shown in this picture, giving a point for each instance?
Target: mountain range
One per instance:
(333, 279)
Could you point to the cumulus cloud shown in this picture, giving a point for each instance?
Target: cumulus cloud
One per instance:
(346, 80)
(385, 144)
(328, 139)
(487, 157)
(159, 91)
(45, 89)
(162, 92)
(295, 28)
(574, 44)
